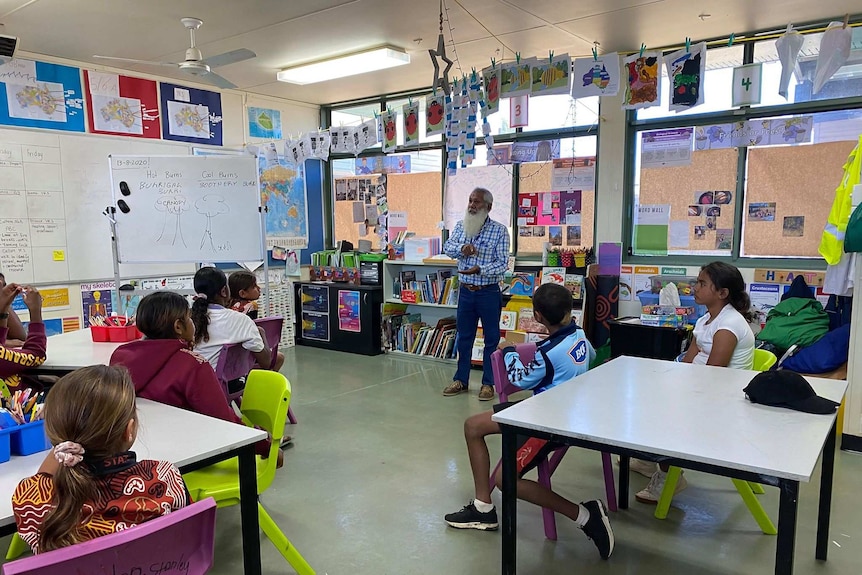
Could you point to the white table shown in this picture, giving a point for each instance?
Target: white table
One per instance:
(70, 351)
(164, 433)
(698, 417)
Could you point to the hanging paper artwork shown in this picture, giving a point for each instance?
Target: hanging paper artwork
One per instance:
(122, 105)
(387, 121)
(597, 76)
(342, 141)
(834, 53)
(41, 95)
(410, 116)
(320, 143)
(788, 47)
(367, 135)
(685, 71)
(515, 79)
(551, 76)
(491, 80)
(435, 114)
(190, 115)
(643, 80)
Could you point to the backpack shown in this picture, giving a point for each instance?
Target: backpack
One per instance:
(799, 321)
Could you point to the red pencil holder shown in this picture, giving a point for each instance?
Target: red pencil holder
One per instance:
(114, 334)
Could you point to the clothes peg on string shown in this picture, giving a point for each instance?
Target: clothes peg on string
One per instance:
(518, 58)
(550, 57)
(731, 39)
(687, 45)
(846, 20)
(595, 52)
(643, 49)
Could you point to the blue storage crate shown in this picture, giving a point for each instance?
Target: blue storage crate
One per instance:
(5, 451)
(648, 298)
(29, 438)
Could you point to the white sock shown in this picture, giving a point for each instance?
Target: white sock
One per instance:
(483, 507)
(583, 516)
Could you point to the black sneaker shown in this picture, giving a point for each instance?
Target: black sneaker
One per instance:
(598, 528)
(471, 518)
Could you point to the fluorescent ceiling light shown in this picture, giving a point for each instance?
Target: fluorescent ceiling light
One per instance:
(370, 61)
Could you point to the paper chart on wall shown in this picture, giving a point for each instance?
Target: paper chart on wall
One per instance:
(191, 115)
(574, 174)
(598, 76)
(642, 80)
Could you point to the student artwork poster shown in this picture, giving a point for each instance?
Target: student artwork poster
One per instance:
(191, 115)
(348, 311)
(387, 122)
(435, 114)
(410, 117)
(642, 80)
(551, 75)
(685, 72)
(491, 81)
(41, 95)
(515, 79)
(122, 105)
(597, 76)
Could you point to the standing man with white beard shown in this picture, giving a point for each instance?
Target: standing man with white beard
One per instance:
(481, 247)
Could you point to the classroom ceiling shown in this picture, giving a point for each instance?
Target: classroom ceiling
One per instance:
(285, 33)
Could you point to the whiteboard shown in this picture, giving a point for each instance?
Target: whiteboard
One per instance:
(186, 208)
(459, 186)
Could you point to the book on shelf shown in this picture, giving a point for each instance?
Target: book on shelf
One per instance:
(438, 287)
(575, 283)
(519, 283)
(553, 275)
(408, 333)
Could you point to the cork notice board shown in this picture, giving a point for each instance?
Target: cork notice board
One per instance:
(419, 195)
(536, 178)
(801, 180)
(682, 186)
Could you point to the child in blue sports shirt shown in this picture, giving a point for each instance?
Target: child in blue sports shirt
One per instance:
(565, 354)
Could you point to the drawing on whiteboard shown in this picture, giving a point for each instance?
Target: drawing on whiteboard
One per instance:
(188, 120)
(173, 206)
(211, 205)
(117, 114)
(43, 101)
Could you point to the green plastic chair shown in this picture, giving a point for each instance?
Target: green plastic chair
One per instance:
(264, 404)
(17, 547)
(763, 360)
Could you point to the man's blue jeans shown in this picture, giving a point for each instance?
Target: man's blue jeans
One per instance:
(484, 304)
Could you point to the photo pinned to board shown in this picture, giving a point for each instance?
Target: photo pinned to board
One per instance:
(704, 198)
(642, 80)
(713, 211)
(596, 76)
(573, 235)
(761, 212)
(710, 223)
(551, 75)
(699, 232)
(694, 211)
(435, 114)
(685, 72)
(793, 227)
(723, 238)
(491, 80)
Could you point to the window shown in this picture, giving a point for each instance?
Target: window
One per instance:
(562, 111)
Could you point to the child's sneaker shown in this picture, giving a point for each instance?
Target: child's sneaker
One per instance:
(598, 528)
(471, 518)
(652, 492)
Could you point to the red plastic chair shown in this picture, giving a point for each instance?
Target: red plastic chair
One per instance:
(234, 362)
(547, 466)
(179, 542)
(271, 327)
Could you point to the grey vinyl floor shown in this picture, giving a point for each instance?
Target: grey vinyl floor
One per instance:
(378, 458)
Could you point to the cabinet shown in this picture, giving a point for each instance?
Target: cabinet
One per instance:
(339, 316)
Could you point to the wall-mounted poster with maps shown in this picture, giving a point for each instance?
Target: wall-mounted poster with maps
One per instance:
(191, 115)
(122, 105)
(282, 191)
(41, 95)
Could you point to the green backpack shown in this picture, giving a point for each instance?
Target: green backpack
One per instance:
(853, 235)
(796, 320)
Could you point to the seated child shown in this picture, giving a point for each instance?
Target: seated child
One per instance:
(216, 325)
(17, 332)
(244, 293)
(565, 354)
(163, 366)
(82, 488)
(722, 337)
(13, 362)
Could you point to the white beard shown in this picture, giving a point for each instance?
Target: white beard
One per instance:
(473, 223)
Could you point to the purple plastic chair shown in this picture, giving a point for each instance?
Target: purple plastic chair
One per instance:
(271, 327)
(234, 362)
(546, 467)
(179, 542)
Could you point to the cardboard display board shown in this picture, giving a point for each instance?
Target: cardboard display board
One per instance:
(801, 181)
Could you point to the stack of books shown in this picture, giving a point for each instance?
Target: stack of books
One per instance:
(406, 332)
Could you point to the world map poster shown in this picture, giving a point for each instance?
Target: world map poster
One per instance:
(282, 191)
(122, 105)
(191, 115)
(41, 95)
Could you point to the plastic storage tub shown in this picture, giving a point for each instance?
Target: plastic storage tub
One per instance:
(5, 450)
(29, 438)
(684, 301)
(114, 334)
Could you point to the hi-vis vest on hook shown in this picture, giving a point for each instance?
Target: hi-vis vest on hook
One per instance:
(832, 242)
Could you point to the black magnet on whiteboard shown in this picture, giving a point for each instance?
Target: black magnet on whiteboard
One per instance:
(124, 189)
(124, 207)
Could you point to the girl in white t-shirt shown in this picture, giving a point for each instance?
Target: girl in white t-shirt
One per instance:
(722, 337)
(216, 325)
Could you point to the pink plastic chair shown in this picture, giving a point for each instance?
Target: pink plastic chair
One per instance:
(546, 467)
(271, 327)
(234, 362)
(179, 542)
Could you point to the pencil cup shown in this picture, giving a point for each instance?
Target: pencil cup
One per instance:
(5, 448)
(29, 438)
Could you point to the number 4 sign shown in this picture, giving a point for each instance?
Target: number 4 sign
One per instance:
(519, 111)
(747, 84)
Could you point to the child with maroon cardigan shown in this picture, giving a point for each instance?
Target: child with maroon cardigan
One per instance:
(165, 369)
(31, 354)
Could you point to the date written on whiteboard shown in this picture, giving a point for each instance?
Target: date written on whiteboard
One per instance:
(129, 163)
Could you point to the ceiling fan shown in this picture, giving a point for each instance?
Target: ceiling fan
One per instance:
(194, 63)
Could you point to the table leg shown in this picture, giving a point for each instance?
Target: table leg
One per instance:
(623, 494)
(510, 500)
(248, 511)
(787, 507)
(827, 466)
